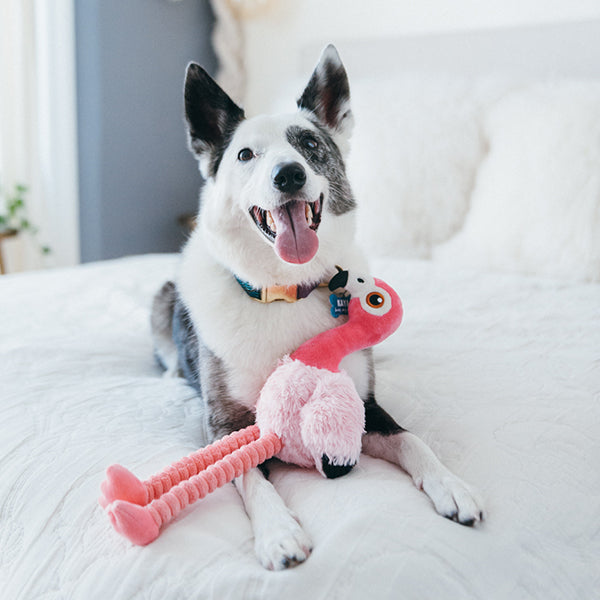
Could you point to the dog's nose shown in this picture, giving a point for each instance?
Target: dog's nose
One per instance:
(288, 177)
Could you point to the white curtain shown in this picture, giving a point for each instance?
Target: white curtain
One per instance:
(37, 126)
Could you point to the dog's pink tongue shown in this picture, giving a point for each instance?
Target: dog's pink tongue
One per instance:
(295, 242)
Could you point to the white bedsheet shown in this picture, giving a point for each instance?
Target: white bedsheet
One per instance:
(499, 373)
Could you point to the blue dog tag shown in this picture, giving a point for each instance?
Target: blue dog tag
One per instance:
(339, 305)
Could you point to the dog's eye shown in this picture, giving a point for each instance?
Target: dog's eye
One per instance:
(245, 155)
(375, 300)
(310, 143)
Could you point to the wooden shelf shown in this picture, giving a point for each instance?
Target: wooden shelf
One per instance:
(4, 234)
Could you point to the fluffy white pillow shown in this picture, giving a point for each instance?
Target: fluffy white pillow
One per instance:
(536, 204)
(416, 147)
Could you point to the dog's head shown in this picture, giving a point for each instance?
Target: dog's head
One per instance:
(276, 194)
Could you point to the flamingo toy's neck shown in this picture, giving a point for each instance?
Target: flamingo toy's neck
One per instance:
(362, 330)
(327, 349)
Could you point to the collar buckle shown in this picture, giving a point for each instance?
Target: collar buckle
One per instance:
(287, 293)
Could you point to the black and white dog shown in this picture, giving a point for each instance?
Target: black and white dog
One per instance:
(276, 215)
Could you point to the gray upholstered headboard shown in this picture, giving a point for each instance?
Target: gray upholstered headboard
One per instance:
(567, 49)
(278, 53)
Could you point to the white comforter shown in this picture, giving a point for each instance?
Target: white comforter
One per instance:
(499, 374)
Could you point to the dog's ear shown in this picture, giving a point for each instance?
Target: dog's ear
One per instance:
(327, 96)
(211, 115)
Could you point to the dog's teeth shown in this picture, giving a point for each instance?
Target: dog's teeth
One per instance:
(270, 222)
(309, 214)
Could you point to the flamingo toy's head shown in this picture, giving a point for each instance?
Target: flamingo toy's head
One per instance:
(373, 304)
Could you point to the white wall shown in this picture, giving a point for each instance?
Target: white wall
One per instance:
(315, 19)
(279, 32)
(37, 126)
(58, 128)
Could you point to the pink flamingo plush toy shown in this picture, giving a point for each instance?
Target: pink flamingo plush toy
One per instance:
(309, 413)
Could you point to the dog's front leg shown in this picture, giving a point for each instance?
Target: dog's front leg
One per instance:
(385, 439)
(279, 540)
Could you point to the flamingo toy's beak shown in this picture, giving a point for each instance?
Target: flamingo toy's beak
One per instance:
(339, 280)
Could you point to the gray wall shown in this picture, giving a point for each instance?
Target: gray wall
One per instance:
(136, 174)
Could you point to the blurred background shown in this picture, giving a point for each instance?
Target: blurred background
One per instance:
(93, 156)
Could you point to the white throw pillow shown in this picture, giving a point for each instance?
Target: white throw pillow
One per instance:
(536, 204)
(416, 147)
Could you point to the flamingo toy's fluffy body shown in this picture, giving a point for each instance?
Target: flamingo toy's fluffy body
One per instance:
(316, 413)
(309, 414)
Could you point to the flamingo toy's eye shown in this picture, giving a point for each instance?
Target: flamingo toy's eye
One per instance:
(375, 300)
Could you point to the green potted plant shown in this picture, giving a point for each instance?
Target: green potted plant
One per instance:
(14, 219)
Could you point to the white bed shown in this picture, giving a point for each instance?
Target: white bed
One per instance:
(499, 373)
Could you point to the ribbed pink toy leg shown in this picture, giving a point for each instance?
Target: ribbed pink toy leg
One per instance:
(141, 524)
(122, 484)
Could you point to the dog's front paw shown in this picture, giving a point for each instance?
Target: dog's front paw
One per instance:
(453, 498)
(283, 544)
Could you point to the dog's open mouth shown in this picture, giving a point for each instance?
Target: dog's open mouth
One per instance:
(291, 228)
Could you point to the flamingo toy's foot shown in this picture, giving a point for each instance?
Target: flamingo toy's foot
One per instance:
(133, 521)
(122, 484)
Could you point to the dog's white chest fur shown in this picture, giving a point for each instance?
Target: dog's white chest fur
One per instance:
(247, 336)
